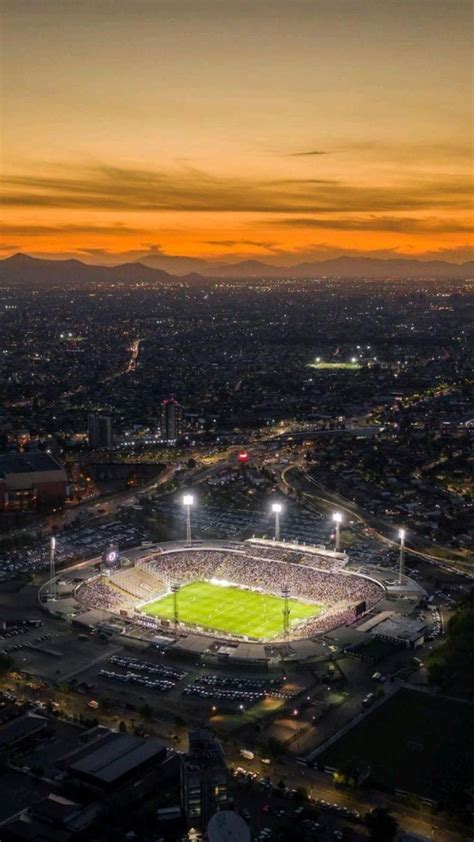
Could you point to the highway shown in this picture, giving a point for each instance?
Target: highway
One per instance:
(384, 531)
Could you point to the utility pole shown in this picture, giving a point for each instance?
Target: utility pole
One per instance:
(175, 590)
(52, 568)
(286, 612)
(402, 535)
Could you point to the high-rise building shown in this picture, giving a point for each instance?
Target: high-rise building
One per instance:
(171, 420)
(203, 779)
(99, 430)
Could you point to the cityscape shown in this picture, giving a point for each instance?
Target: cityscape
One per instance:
(236, 422)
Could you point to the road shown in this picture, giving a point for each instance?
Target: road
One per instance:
(319, 786)
(316, 494)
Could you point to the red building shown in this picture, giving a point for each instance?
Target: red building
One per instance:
(31, 479)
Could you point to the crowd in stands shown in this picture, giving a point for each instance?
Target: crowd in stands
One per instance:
(272, 576)
(97, 594)
(296, 556)
(338, 591)
(327, 621)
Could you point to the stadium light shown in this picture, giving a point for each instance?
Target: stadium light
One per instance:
(52, 568)
(188, 501)
(277, 508)
(337, 518)
(175, 588)
(402, 535)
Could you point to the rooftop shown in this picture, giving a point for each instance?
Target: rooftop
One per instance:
(27, 463)
(108, 761)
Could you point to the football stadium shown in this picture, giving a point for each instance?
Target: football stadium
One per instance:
(257, 591)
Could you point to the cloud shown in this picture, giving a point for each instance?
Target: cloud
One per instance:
(262, 244)
(456, 254)
(9, 248)
(120, 188)
(33, 230)
(400, 224)
(309, 154)
(324, 251)
(310, 252)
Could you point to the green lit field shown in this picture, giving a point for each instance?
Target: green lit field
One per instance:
(341, 366)
(231, 610)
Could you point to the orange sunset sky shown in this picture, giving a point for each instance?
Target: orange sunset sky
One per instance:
(286, 130)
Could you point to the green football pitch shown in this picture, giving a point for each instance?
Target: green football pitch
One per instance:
(229, 609)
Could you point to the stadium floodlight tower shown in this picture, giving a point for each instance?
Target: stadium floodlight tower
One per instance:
(175, 591)
(277, 510)
(337, 518)
(402, 535)
(52, 568)
(285, 593)
(188, 501)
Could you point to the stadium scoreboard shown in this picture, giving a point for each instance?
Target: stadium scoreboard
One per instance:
(111, 557)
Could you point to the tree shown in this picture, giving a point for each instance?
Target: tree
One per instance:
(6, 664)
(453, 661)
(381, 824)
(146, 711)
(300, 794)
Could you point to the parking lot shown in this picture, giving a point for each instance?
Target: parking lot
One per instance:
(71, 545)
(275, 810)
(144, 673)
(211, 521)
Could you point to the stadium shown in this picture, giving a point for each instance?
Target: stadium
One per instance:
(256, 591)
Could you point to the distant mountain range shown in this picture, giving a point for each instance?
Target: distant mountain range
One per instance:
(21, 269)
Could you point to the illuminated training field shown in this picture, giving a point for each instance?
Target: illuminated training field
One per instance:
(335, 366)
(231, 610)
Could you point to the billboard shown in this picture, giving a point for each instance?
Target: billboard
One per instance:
(111, 557)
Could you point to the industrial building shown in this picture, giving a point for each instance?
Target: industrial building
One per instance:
(203, 779)
(31, 479)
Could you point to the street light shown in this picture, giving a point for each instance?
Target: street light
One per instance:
(52, 568)
(277, 509)
(402, 535)
(188, 501)
(337, 518)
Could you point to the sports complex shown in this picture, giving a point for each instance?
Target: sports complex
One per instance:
(259, 594)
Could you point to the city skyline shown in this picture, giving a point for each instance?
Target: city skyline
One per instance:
(285, 132)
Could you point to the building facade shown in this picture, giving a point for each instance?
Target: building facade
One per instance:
(31, 479)
(203, 779)
(99, 431)
(171, 424)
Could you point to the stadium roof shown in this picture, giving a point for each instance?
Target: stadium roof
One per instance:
(93, 617)
(369, 624)
(249, 651)
(402, 629)
(194, 643)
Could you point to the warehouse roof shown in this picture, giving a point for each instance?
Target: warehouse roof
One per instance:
(109, 761)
